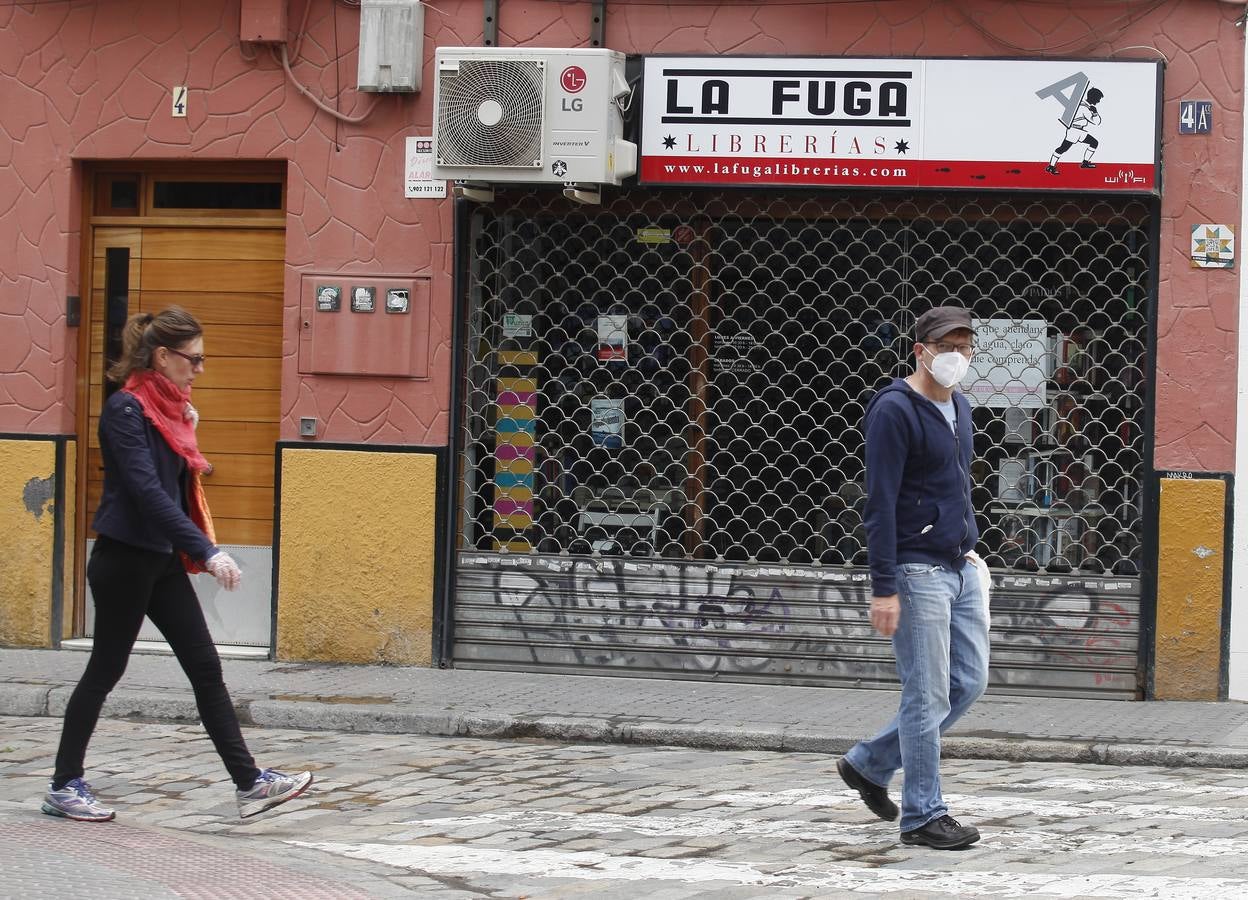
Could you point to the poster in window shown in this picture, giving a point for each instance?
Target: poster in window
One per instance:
(607, 422)
(613, 338)
(1012, 364)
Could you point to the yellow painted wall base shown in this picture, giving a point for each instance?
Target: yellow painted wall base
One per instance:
(356, 552)
(1190, 563)
(27, 519)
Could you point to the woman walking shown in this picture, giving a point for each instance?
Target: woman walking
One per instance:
(153, 528)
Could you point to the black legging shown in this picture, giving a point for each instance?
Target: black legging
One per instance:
(128, 583)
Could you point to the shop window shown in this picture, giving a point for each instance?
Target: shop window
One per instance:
(685, 376)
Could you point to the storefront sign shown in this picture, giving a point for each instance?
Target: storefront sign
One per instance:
(1086, 125)
(1012, 365)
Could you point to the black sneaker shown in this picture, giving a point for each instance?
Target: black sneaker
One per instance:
(873, 795)
(944, 833)
(1052, 170)
(1087, 165)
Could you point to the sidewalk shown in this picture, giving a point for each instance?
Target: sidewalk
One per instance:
(635, 710)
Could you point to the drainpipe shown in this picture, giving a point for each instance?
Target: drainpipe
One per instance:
(1237, 657)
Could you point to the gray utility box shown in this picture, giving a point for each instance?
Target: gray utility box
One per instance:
(392, 43)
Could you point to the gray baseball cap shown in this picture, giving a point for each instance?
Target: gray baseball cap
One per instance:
(936, 323)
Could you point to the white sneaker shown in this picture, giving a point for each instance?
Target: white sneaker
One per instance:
(76, 801)
(271, 789)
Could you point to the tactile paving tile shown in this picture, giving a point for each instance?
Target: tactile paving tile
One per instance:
(114, 860)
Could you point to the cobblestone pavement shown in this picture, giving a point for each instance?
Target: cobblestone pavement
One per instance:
(396, 815)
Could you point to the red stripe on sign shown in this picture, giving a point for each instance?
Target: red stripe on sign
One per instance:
(745, 171)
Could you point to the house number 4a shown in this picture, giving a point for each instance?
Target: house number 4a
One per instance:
(179, 102)
(1195, 116)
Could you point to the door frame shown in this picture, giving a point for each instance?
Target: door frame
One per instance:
(92, 174)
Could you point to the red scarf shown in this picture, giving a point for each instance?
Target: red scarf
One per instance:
(164, 405)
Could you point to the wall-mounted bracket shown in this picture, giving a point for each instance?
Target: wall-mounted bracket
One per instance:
(598, 23)
(489, 25)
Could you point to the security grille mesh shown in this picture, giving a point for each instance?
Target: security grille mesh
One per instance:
(684, 376)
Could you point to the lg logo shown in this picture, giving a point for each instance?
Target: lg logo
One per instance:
(573, 80)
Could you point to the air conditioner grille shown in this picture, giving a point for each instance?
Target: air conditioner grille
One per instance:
(490, 113)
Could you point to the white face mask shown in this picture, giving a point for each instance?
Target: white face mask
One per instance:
(948, 368)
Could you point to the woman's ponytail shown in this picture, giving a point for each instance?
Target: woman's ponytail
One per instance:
(145, 332)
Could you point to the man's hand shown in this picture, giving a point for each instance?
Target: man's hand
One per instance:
(885, 612)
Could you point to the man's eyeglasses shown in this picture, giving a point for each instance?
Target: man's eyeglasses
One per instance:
(195, 361)
(964, 349)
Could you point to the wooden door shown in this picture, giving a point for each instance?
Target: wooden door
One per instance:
(230, 278)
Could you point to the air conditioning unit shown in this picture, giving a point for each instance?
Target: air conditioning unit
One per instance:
(521, 114)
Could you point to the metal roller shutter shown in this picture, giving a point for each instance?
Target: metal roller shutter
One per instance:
(662, 429)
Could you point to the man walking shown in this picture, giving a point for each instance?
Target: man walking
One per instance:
(925, 592)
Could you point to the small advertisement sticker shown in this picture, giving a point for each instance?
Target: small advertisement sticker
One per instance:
(418, 178)
(652, 235)
(363, 299)
(517, 325)
(1213, 247)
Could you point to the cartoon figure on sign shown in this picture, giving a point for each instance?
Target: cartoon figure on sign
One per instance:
(1077, 131)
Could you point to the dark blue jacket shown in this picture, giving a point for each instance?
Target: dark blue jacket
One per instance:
(918, 484)
(144, 485)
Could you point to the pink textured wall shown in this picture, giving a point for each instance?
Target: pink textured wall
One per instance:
(90, 79)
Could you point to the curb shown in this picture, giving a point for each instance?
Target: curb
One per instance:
(177, 707)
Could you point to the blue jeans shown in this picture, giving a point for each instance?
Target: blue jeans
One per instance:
(941, 645)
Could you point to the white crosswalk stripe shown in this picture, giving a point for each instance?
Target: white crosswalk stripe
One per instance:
(973, 806)
(1131, 786)
(590, 865)
(834, 833)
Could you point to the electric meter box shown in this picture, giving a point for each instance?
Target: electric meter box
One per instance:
(392, 40)
(361, 324)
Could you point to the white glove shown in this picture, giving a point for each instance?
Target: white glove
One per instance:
(223, 568)
(191, 414)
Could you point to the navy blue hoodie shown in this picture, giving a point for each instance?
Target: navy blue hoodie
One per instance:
(918, 475)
